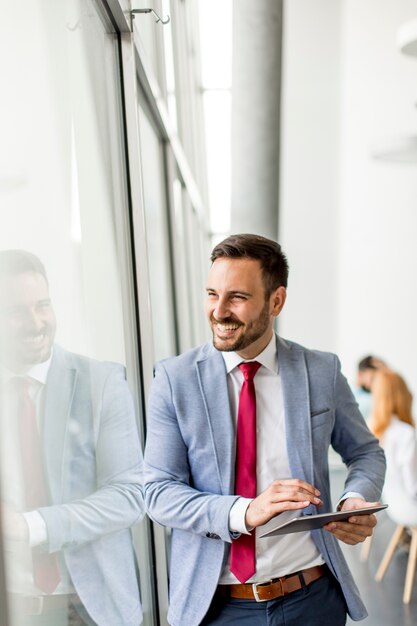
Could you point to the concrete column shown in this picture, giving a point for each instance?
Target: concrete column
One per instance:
(257, 30)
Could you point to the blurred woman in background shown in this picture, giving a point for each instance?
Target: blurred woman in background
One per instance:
(392, 423)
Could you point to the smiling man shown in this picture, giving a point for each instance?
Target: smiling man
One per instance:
(71, 467)
(27, 320)
(238, 433)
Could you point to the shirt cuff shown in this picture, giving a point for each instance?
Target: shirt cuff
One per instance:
(237, 516)
(38, 532)
(349, 494)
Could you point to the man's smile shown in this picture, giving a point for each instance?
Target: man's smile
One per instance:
(33, 341)
(225, 328)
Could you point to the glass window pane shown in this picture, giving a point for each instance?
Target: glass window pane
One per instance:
(157, 236)
(70, 454)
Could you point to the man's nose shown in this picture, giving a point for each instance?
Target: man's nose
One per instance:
(34, 321)
(221, 310)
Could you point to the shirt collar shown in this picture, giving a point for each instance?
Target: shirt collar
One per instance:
(268, 357)
(38, 372)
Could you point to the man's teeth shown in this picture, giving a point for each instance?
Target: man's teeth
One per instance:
(226, 327)
(35, 339)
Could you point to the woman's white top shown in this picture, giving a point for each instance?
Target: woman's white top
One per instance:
(400, 490)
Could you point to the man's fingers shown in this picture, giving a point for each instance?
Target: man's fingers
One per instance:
(363, 520)
(349, 528)
(259, 512)
(289, 505)
(296, 483)
(282, 495)
(347, 536)
(294, 496)
(355, 530)
(360, 521)
(293, 489)
(350, 540)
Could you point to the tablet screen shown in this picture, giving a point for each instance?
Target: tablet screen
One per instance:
(311, 522)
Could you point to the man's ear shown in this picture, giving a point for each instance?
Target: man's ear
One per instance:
(278, 298)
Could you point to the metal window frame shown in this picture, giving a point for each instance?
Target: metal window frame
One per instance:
(4, 613)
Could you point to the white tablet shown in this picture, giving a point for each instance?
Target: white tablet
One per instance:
(310, 522)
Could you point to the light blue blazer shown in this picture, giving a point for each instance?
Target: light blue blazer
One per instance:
(94, 468)
(190, 452)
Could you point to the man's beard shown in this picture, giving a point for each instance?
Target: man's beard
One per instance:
(253, 332)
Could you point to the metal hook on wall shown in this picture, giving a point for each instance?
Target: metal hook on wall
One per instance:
(158, 18)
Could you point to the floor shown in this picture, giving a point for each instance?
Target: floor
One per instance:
(383, 600)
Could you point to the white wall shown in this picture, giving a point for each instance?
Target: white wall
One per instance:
(377, 288)
(348, 221)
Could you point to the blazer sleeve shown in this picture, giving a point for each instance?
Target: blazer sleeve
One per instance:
(117, 501)
(357, 446)
(170, 498)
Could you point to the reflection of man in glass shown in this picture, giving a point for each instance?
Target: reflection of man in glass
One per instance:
(71, 466)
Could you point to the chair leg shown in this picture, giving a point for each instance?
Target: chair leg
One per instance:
(389, 553)
(411, 567)
(366, 547)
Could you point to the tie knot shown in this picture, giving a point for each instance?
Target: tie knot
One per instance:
(249, 369)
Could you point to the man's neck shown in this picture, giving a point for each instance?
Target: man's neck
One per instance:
(252, 351)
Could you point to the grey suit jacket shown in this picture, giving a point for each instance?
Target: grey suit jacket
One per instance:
(189, 462)
(94, 469)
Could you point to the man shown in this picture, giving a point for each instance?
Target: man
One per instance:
(71, 467)
(201, 411)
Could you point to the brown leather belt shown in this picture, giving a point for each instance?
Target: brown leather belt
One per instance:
(37, 605)
(275, 588)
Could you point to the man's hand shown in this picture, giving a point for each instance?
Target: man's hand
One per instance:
(355, 529)
(282, 495)
(14, 524)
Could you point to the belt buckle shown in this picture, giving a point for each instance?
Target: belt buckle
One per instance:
(256, 593)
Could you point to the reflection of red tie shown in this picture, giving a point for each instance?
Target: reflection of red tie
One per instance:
(242, 556)
(45, 566)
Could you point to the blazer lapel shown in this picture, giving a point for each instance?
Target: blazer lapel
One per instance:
(213, 383)
(60, 388)
(293, 371)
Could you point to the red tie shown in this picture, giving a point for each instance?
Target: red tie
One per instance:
(242, 556)
(45, 566)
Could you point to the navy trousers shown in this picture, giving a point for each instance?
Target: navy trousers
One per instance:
(319, 604)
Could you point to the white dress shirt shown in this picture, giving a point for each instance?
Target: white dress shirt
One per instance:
(18, 555)
(275, 556)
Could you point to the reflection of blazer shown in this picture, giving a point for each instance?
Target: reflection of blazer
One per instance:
(189, 459)
(93, 464)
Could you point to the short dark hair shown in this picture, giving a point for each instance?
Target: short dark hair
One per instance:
(13, 262)
(367, 363)
(273, 261)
